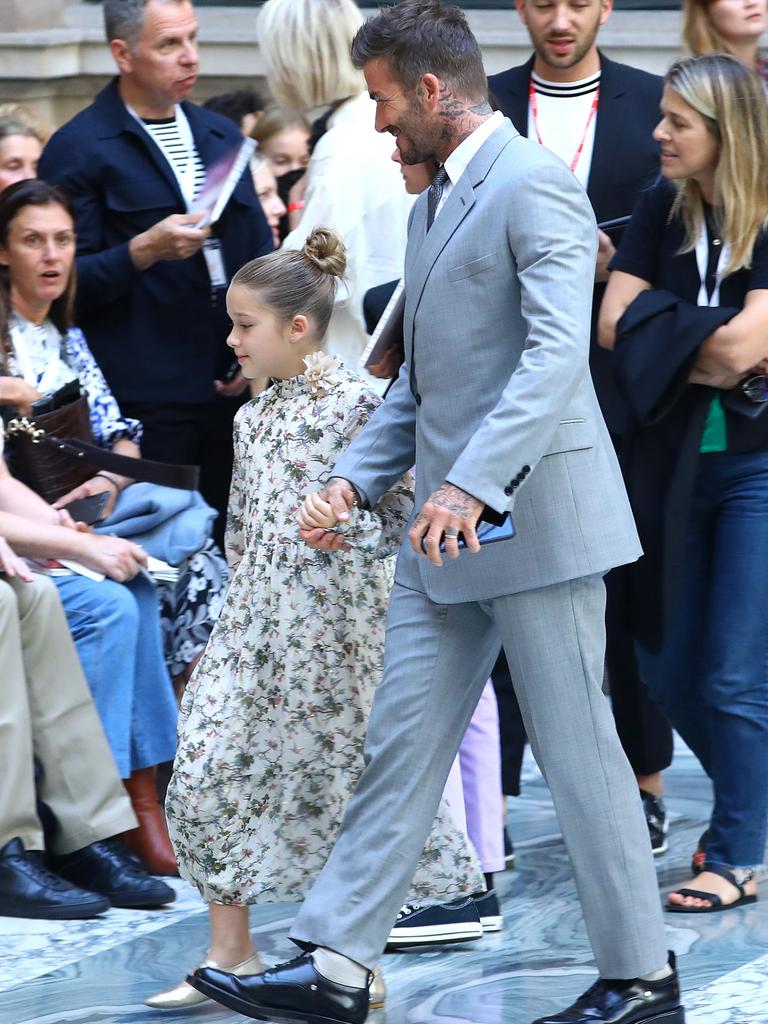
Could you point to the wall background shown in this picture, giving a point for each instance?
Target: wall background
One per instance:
(54, 59)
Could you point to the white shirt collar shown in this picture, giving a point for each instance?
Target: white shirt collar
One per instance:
(461, 157)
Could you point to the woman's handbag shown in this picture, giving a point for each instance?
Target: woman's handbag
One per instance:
(53, 452)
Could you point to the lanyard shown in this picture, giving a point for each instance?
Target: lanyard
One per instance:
(702, 259)
(590, 118)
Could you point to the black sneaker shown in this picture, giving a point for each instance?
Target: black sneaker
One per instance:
(509, 850)
(28, 889)
(439, 924)
(109, 868)
(488, 908)
(658, 825)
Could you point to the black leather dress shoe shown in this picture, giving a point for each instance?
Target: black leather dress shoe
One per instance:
(291, 993)
(626, 1002)
(29, 889)
(109, 868)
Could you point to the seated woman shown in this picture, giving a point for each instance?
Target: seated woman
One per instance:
(687, 306)
(131, 688)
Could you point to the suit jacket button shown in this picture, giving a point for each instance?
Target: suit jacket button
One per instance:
(418, 399)
(509, 489)
(526, 469)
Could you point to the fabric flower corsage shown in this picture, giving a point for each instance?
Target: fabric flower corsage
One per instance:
(321, 372)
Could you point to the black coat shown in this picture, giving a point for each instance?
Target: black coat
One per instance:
(159, 334)
(625, 160)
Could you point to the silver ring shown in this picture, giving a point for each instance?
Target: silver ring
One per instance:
(453, 534)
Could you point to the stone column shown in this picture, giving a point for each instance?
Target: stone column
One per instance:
(21, 15)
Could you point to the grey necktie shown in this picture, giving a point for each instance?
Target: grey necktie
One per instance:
(435, 194)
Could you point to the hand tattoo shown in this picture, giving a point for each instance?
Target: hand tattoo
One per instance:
(454, 500)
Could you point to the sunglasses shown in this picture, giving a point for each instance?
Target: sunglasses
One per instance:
(755, 388)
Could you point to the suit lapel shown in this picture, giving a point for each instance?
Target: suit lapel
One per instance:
(608, 128)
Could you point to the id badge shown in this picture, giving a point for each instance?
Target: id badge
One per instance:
(214, 260)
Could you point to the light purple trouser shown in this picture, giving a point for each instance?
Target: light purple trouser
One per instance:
(473, 789)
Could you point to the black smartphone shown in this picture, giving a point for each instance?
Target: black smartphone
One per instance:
(89, 510)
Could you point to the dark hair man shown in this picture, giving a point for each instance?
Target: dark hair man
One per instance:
(151, 282)
(598, 117)
(495, 406)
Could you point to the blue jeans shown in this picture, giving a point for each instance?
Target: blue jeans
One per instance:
(711, 677)
(116, 628)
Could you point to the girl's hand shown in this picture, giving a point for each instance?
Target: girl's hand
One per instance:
(317, 514)
(11, 564)
(96, 485)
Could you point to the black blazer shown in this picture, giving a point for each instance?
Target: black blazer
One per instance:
(158, 335)
(625, 160)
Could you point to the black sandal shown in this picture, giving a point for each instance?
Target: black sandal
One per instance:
(700, 856)
(716, 902)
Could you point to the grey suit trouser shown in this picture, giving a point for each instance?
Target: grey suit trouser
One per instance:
(437, 660)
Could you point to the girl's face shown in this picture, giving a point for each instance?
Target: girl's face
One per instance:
(288, 150)
(19, 155)
(688, 149)
(738, 21)
(271, 203)
(39, 253)
(417, 177)
(263, 345)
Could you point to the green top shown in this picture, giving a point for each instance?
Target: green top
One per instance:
(715, 436)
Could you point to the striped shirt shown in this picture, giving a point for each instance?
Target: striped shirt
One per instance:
(563, 110)
(166, 133)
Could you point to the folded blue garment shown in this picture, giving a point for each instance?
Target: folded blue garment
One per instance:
(169, 523)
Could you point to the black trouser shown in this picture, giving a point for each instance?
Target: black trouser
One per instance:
(193, 434)
(645, 733)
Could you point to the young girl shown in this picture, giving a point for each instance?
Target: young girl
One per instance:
(273, 722)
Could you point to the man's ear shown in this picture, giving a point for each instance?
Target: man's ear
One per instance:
(122, 56)
(429, 90)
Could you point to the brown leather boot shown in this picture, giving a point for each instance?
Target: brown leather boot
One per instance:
(150, 840)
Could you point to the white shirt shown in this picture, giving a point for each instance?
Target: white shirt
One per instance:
(462, 156)
(564, 109)
(354, 187)
(36, 354)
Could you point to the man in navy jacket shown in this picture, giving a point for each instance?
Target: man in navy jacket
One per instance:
(150, 296)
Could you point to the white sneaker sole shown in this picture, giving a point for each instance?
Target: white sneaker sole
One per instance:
(435, 934)
(661, 849)
(492, 924)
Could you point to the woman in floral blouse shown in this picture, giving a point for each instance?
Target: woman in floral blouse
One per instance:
(273, 721)
(39, 352)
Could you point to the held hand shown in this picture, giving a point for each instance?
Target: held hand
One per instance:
(173, 238)
(117, 558)
(448, 511)
(96, 485)
(15, 391)
(605, 252)
(324, 510)
(11, 565)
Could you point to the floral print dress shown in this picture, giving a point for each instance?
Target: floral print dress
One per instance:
(273, 721)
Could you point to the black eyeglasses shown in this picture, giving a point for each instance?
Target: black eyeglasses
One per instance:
(756, 388)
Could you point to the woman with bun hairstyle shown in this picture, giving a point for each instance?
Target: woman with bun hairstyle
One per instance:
(273, 722)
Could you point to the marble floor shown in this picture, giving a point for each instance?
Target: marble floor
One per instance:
(98, 972)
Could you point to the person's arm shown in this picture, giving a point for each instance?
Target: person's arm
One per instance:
(621, 292)
(11, 565)
(108, 273)
(16, 392)
(738, 346)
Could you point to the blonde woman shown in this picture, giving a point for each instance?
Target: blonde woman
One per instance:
(701, 468)
(352, 185)
(727, 26)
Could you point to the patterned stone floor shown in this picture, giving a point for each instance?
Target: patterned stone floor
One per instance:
(98, 972)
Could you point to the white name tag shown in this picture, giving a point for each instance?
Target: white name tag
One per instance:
(215, 263)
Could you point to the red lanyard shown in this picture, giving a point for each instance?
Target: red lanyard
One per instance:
(535, 112)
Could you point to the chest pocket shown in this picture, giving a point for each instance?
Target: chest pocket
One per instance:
(138, 196)
(473, 267)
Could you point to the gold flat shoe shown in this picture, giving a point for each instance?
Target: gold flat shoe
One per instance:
(183, 995)
(377, 993)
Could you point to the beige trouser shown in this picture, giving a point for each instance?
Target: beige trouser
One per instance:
(46, 712)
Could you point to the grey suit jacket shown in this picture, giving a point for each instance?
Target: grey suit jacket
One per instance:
(495, 394)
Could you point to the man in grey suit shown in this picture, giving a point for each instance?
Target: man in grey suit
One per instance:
(496, 409)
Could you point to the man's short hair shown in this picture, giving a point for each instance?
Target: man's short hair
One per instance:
(419, 37)
(123, 19)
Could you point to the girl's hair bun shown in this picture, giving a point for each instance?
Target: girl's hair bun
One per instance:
(325, 250)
